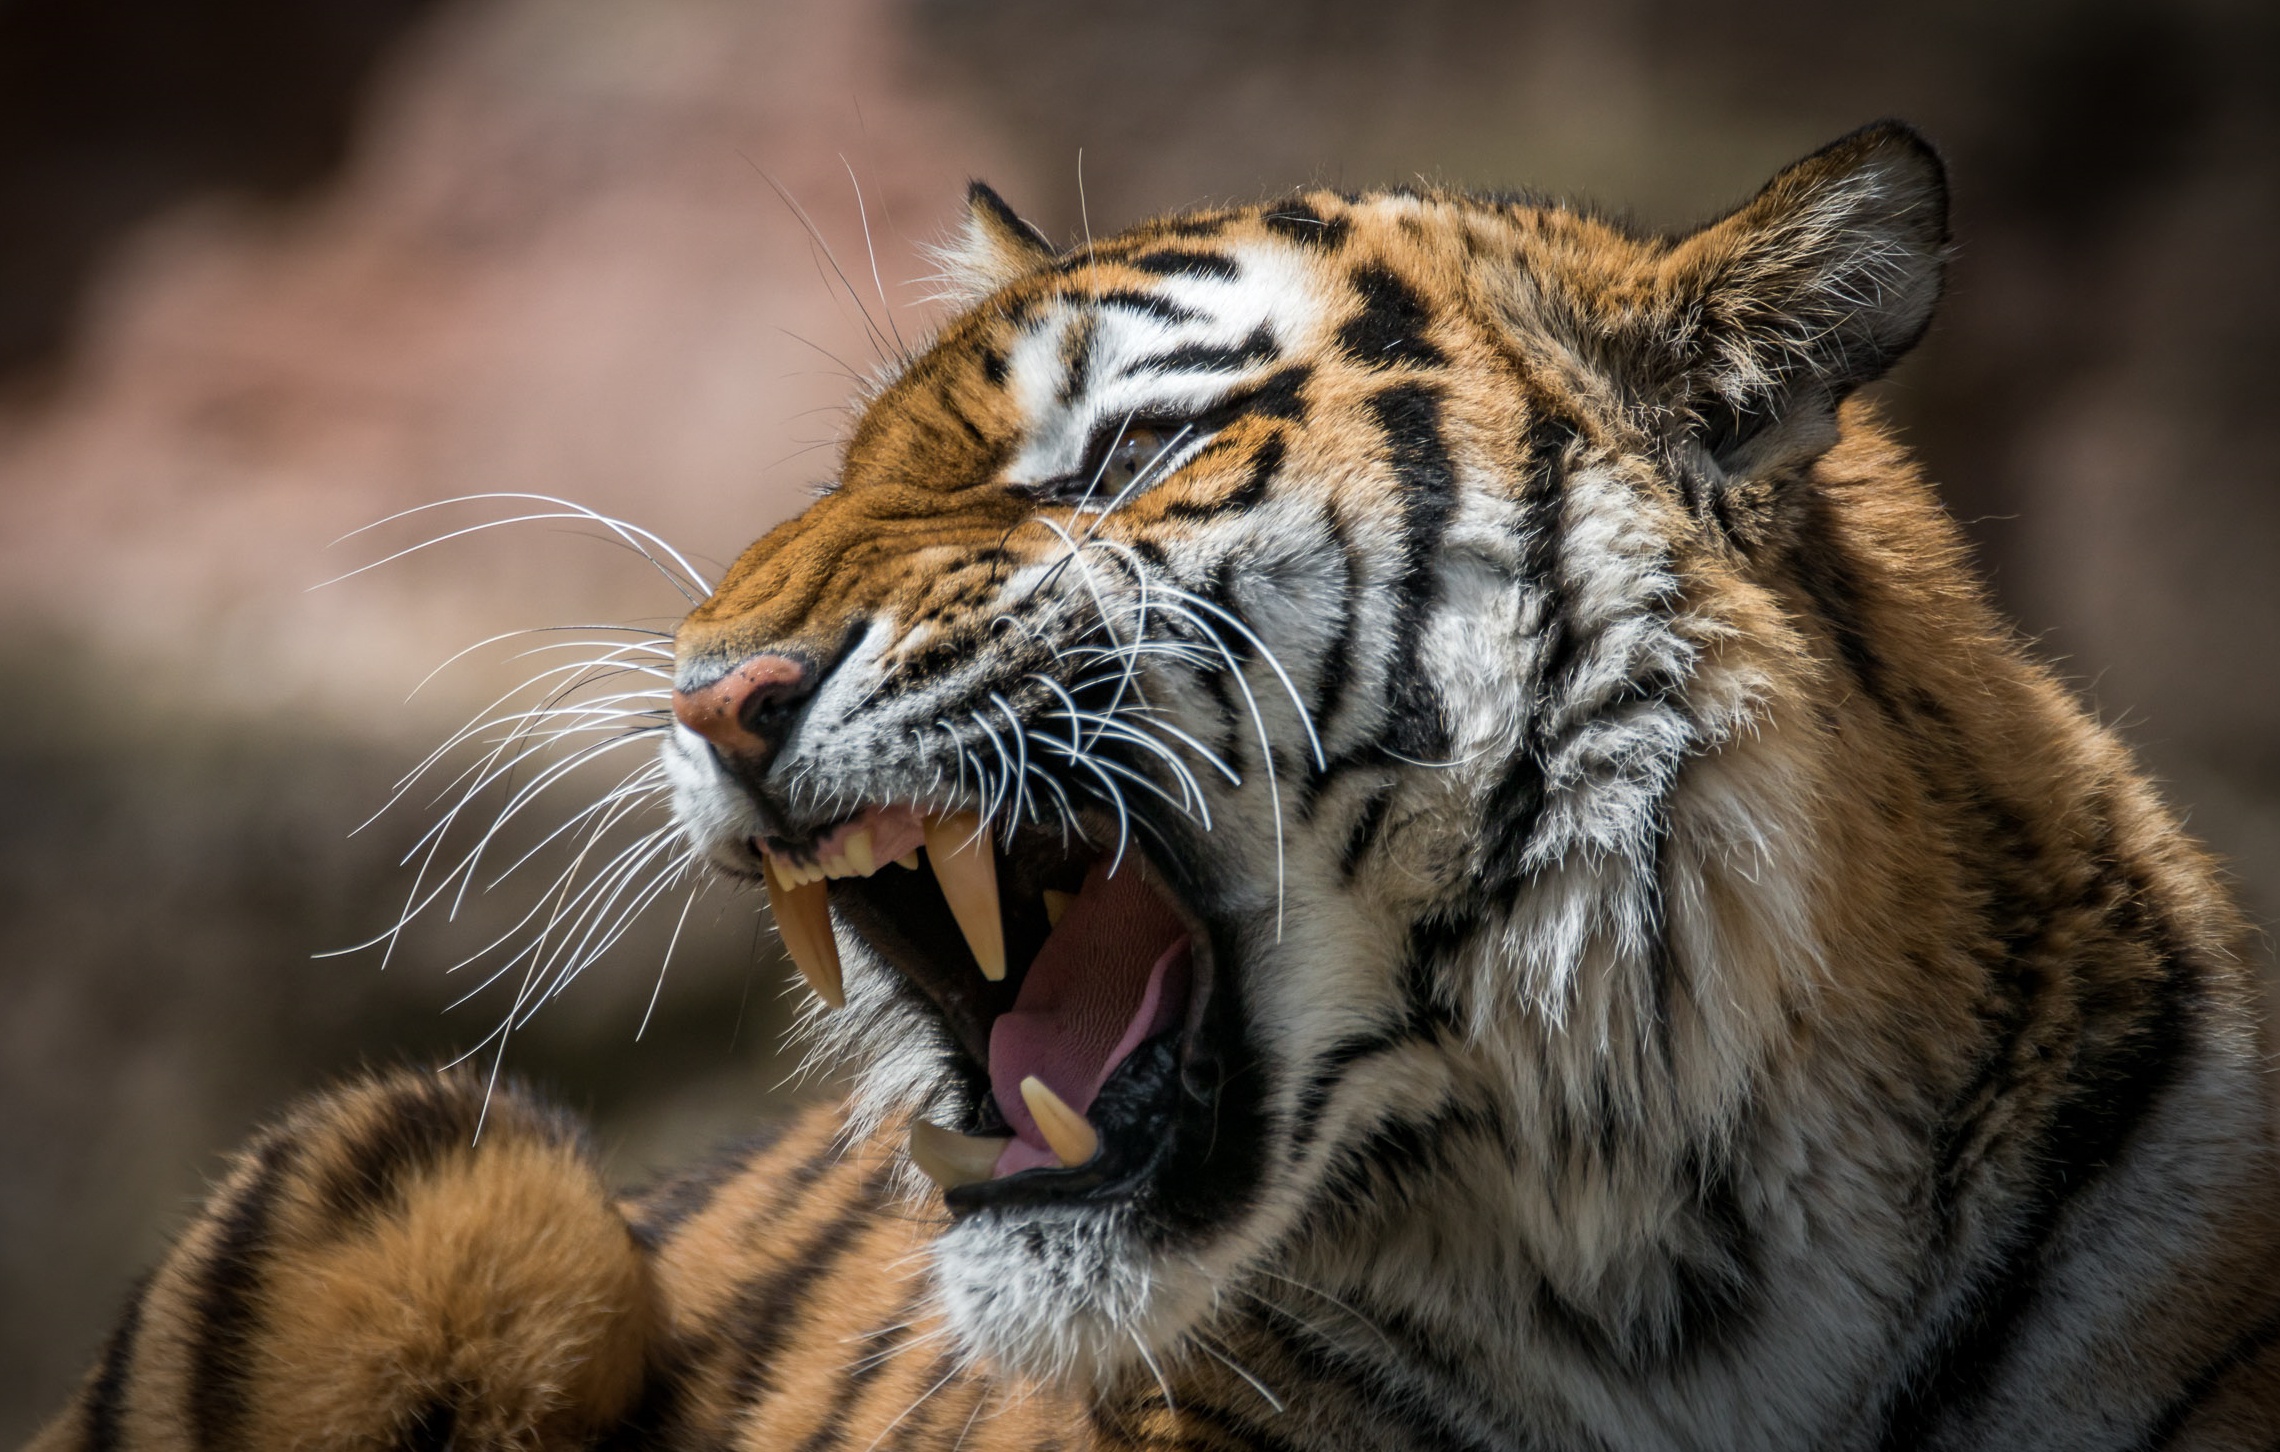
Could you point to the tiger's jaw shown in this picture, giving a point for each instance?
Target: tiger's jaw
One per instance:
(1067, 1020)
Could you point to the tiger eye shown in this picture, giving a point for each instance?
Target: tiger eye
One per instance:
(1133, 454)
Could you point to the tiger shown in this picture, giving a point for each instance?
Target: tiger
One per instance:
(1419, 833)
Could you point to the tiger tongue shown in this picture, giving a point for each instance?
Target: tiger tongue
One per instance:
(1112, 975)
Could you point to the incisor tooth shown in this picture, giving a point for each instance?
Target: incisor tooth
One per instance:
(908, 861)
(951, 1159)
(967, 870)
(1071, 1136)
(859, 854)
(803, 921)
(1056, 905)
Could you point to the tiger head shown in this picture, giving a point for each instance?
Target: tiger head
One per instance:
(1277, 731)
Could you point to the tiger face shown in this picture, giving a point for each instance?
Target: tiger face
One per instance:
(1241, 704)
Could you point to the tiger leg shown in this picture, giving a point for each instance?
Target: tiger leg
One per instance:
(371, 1274)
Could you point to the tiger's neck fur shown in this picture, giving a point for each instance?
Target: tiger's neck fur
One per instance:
(1864, 925)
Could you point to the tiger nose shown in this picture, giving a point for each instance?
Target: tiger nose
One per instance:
(749, 710)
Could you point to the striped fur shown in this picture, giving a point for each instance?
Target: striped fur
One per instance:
(1680, 974)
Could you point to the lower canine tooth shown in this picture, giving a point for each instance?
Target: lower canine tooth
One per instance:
(1072, 1137)
(951, 1159)
(967, 870)
(803, 921)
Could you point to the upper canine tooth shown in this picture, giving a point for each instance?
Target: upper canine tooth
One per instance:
(859, 854)
(967, 870)
(951, 1159)
(1057, 905)
(803, 921)
(1071, 1136)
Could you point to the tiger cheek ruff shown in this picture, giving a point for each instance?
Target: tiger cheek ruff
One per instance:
(1419, 836)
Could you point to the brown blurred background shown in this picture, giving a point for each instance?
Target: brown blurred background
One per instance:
(272, 269)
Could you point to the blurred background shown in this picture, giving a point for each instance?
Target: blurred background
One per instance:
(271, 270)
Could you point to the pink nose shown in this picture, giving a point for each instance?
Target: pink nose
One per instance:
(748, 710)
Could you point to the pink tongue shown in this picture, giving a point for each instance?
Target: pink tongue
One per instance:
(1112, 975)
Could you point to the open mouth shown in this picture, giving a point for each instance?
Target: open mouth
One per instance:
(1073, 981)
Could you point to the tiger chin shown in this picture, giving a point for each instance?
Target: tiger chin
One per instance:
(1418, 834)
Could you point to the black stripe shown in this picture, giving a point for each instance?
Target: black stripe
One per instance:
(416, 1125)
(1330, 1071)
(966, 425)
(1508, 825)
(224, 1303)
(1266, 462)
(660, 1415)
(1387, 329)
(870, 1354)
(1175, 261)
(920, 1417)
(1664, 979)
(1162, 309)
(1516, 803)
(1274, 396)
(2011, 920)
(765, 1311)
(1824, 569)
(1299, 222)
(1258, 347)
(1363, 835)
(1424, 1021)
(1433, 942)
(655, 1213)
(1077, 357)
(1409, 414)
(1544, 517)
(1335, 670)
(432, 1429)
(1718, 1276)
(1204, 224)
(107, 1399)
(1218, 587)
(952, 649)
(1234, 720)
(966, 1416)
(1398, 1160)
(2244, 1350)
(2110, 1090)
(1318, 1360)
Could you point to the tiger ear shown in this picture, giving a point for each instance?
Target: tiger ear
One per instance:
(1815, 286)
(993, 248)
